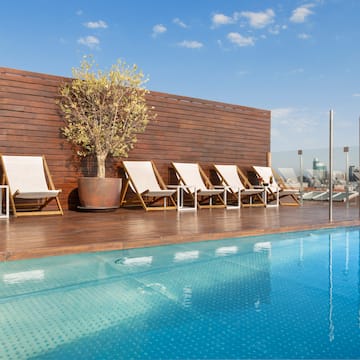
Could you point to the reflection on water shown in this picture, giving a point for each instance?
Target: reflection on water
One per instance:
(331, 322)
(359, 280)
(277, 296)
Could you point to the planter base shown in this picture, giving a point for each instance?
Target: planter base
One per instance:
(98, 194)
(97, 209)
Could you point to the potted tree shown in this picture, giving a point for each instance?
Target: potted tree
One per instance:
(103, 113)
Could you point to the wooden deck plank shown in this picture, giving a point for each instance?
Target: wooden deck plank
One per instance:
(75, 232)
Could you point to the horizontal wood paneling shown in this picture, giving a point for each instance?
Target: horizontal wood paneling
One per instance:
(186, 129)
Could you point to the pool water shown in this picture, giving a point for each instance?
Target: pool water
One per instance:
(294, 295)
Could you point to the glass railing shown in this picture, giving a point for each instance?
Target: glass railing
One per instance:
(312, 167)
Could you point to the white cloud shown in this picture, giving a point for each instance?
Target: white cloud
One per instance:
(281, 113)
(356, 95)
(221, 19)
(297, 71)
(275, 30)
(304, 36)
(177, 21)
(258, 20)
(158, 29)
(294, 120)
(300, 14)
(240, 40)
(191, 44)
(89, 41)
(298, 128)
(96, 24)
(79, 12)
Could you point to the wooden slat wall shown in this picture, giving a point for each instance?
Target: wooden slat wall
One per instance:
(186, 129)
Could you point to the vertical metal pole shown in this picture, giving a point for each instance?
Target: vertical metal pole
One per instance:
(346, 151)
(358, 189)
(331, 153)
(300, 153)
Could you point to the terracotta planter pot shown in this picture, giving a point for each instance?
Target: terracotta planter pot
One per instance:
(99, 194)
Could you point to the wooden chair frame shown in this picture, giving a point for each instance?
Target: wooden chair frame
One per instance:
(283, 191)
(35, 205)
(150, 197)
(248, 192)
(204, 198)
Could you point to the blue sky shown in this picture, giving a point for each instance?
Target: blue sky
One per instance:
(296, 58)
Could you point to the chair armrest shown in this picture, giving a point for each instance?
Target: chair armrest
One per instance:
(224, 187)
(183, 187)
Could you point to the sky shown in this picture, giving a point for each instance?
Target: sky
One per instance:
(297, 58)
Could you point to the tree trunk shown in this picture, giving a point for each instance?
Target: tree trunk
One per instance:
(101, 158)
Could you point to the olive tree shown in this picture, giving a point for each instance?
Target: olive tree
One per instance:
(104, 110)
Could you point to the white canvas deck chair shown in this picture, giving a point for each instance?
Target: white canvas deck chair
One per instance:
(196, 184)
(274, 191)
(289, 178)
(144, 179)
(230, 177)
(30, 184)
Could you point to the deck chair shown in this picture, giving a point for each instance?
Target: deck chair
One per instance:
(289, 178)
(144, 179)
(274, 191)
(230, 177)
(30, 185)
(196, 184)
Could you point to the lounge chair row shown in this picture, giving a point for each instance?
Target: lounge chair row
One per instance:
(194, 189)
(29, 179)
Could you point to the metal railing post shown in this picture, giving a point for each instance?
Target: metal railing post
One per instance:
(346, 151)
(331, 154)
(300, 153)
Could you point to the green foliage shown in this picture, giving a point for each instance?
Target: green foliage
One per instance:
(104, 111)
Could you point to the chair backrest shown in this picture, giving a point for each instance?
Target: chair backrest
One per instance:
(289, 177)
(142, 175)
(25, 173)
(288, 173)
(267, 175)
(230, 176)
(190, 175)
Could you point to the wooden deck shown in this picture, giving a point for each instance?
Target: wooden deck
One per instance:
(28, 237)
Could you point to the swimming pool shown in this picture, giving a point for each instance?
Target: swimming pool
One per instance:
(294, 295)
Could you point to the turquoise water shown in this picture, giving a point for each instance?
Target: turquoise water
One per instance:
(294, 295)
